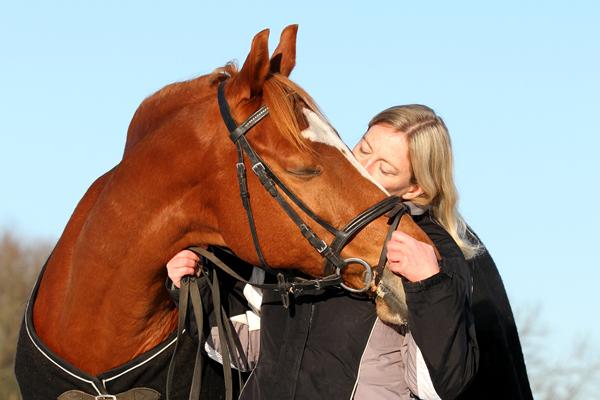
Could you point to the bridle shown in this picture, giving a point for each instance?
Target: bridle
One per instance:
(392, 206)
(334, 263)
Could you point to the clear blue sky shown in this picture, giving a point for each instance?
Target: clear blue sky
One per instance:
(517, 83)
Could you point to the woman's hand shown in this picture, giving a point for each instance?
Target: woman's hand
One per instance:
(183, 263)
(411, 258)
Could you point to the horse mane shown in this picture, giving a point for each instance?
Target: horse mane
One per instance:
(284, 98)
(157, 107)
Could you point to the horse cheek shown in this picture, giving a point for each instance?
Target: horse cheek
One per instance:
(410, 227)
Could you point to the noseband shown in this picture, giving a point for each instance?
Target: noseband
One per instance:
(334, 263)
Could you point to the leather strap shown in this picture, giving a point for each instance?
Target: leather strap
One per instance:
(189, 292)
(198, 310)
(222, 319)
(394, 221)
(182, 314)
(293, 286)
(245, 196)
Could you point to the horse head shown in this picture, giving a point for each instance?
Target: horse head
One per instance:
(295, 140)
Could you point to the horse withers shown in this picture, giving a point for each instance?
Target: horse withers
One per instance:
(99, 312)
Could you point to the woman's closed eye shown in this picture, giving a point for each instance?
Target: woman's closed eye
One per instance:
(387, 170)
(364, 148)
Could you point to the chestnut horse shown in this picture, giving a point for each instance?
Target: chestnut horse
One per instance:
(176, 187)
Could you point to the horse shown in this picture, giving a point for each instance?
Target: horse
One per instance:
(100, 301)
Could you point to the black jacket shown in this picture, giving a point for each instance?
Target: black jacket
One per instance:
(313, 350)
(502, 372)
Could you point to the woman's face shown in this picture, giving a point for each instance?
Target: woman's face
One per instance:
(383, 151)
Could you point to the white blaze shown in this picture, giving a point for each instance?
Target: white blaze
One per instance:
(320, 131)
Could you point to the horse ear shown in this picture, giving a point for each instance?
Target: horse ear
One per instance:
(249, 82)
(284, 57)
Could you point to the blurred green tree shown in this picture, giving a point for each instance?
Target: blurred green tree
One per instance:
(20, 261)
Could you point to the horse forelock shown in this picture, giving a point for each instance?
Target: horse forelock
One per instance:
(286, 101)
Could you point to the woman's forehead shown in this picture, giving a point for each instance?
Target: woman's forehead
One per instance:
(386, 132)
(387, 141)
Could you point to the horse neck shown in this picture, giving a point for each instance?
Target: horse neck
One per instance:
(104, 283)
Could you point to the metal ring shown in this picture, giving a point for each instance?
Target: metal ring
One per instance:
(368, 274)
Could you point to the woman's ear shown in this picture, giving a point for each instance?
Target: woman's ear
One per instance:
(414, 191)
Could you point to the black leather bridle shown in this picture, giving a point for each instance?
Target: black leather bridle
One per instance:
(286, 284)
(334, 263)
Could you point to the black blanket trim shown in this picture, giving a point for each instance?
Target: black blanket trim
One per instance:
(28, 365)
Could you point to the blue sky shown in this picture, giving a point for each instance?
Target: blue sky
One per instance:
(517, 84)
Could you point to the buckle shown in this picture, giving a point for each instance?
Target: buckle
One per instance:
(258, 168)
(285, 294)
(400, 208)
(322, 248)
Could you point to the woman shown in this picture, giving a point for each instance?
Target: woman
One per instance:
(331, 345)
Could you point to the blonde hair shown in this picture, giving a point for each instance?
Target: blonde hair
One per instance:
(430, 152)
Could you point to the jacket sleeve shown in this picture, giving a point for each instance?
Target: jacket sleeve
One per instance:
(441, 348)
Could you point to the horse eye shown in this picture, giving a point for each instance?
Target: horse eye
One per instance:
(305, 172)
